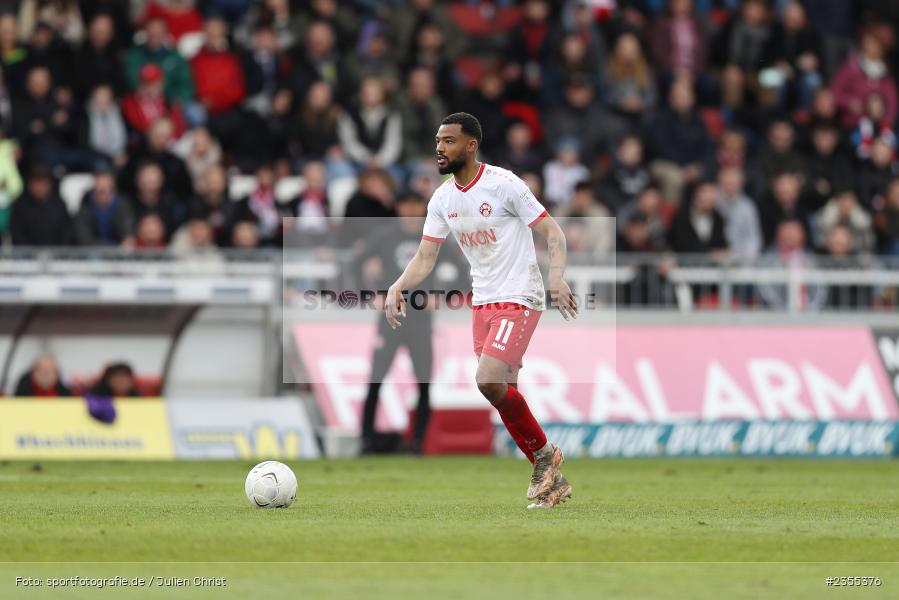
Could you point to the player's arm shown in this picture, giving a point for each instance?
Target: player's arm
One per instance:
(415, 272)
(558, 253)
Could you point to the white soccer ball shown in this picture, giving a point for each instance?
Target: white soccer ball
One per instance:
(271, 484)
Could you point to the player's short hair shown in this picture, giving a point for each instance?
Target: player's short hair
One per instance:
(470, 124)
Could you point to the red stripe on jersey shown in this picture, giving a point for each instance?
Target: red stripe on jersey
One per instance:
(470, 183)
(538, 219)
(436, 240)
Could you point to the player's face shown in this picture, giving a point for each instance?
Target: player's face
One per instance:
(453, 148)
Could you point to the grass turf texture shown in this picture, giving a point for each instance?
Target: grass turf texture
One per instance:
(729, 512)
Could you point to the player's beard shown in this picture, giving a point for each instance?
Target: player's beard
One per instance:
(452, 166)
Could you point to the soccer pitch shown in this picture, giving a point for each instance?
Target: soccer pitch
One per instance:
(457, 528)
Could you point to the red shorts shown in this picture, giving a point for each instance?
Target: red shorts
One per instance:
(503, 330)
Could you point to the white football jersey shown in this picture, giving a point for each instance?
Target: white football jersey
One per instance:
(491, 219)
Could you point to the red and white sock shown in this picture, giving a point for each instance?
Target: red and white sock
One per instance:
(520, 423)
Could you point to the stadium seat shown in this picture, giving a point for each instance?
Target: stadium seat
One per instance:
(190, 44)
(288, 188)
(240, 186)
(339, 193)
(457, 431)
(72, 189)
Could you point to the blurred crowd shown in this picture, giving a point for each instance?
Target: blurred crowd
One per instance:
(44, 379)
(752, 129)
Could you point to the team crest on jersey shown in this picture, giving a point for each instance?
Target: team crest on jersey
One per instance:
(486, 209)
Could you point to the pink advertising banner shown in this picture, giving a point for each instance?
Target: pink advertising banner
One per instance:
(595, 374)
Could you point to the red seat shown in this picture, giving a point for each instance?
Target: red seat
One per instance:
(457, 431)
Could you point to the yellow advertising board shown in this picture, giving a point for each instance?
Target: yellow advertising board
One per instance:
(38, 428)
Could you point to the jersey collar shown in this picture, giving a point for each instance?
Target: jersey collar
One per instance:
(470, 183)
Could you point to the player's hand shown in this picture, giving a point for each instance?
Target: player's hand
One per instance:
(394, 305)
(563, 299)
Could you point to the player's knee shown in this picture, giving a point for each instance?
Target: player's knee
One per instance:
(492, 390)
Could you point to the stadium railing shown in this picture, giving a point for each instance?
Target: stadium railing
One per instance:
(632, 282)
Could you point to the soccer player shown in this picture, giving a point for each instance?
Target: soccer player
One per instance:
(491, 212)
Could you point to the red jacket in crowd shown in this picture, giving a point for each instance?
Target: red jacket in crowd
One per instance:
(218, 79)
(140, 110)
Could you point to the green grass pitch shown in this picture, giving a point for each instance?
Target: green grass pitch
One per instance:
(458, 528)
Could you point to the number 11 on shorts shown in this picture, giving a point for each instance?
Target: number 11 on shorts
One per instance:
(505, 326)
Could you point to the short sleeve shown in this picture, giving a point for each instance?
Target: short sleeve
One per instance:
(435, 229)
(523, 203)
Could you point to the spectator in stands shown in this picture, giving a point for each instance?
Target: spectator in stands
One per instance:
(218, 80)
(741, 220)
(793, 49)
(98, 59)
(864, 73)
(46, 50)
(575, 60)
(245, 235)
(629, 89)
(731, 150)
(563, 173)
(156, 148)
(373, 58)
(43, 125)
(310, 208)
(679, 44)
(312, 132)
(871, 126)
(42, 380)
(10, 179)
(779, 154)
(529, 47)
(628, 175)
(432, 50)
(200, 152)
(213, 202)
(886, 221)
(39, 217)
(789, 251)
(593, 219)
(104, 217)
(261, 207)
(842, 251)
(581, 118)
(13, 53)
(843, 210)
(740, 46)
(266, 71)
(784, 202)
(829, 167)
(405, 23)
(151, 197)
(180, 16)
(195, 240)
(106, 132)
(341, 17)
(698, 227)
(318, 60)
(63, 15)
(420, 112)
(648, 206)
(151, 233)
(117, 381)
(876, 173)
(678, 142)
(486, 101)
(371, 133)
(520, 154)
(275, 14)
(176, 75)
(374, 199)
(148, 103)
